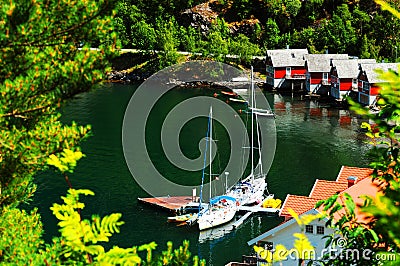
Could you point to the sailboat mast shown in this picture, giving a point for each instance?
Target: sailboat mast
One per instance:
(252, 123)
(210, 139)
(204, 161)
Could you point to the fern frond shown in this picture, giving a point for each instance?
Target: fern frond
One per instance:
(119, 256)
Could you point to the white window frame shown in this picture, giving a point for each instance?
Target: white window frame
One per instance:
(354, 82)
(309, 226)
(319, 227)
(365, 86)
(288, 71)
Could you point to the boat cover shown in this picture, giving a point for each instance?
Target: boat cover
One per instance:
(246, 183)
(218, 198)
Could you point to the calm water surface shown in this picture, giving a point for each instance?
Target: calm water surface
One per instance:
(313, 141)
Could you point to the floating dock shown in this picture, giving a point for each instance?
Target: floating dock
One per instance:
(258, 209)
(241, 220)
(173, 204)
(252, 209)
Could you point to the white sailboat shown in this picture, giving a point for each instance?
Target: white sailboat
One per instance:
(221, 209)
(251, 189)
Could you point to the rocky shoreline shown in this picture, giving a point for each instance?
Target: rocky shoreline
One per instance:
(126, 77)
(132, 68)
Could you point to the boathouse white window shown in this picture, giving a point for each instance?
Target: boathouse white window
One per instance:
(325, 76)
(365, 85)
(320, 230)
(288, 71)
(309, 229)
(355, 83)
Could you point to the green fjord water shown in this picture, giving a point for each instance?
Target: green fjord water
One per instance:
(312, 142)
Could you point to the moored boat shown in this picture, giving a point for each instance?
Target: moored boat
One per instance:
(221, 210)
(229, 93)
(251, 190)
(272, 203)
(182, 218)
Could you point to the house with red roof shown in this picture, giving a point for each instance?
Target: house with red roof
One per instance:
(369, 81)
(284, 67)
(344, 74)
(352, 180)
(317, 68)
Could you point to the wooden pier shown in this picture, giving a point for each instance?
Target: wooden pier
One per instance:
(169, 203)
(253, 209)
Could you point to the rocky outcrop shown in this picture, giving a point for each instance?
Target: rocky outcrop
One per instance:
(189, 18)
(202, 16)
(125, 77)
(246, 27)
(199, 17)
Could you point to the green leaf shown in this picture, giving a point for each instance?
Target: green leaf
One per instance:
(374, 235)
(349, 202)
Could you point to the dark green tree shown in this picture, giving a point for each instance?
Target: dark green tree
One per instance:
(338, 35)
(217, 47)
(271, 35)
(243, 48)
(292, 7)
(385, 32)
(167, 33)
(126, 17)
(143, 36)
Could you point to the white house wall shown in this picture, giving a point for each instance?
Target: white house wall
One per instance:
(312, 87)
(276, 82)
(285, 237)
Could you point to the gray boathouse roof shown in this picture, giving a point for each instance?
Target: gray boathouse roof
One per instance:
(349, 68)
(322, 62)
(372, 76)
(287, 57)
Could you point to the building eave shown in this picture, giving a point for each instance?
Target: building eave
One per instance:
(281, 227)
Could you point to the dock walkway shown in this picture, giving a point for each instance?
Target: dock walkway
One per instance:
(169, 203)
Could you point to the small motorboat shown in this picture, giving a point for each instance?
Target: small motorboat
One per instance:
(272, 203)
(182, 218)
(229, 93)
(237, 100)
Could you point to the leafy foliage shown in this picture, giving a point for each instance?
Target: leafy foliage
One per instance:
(81, 236)
(167, 33)
(20, 239)
(381, 235)
(42, 65)
(358, 236)
(355, 27)
(67, 162)
(46, 59)
(81, 239)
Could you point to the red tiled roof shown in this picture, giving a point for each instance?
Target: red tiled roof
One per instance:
(323, 189)
(363, 187)
(300, 204)
(358, 172)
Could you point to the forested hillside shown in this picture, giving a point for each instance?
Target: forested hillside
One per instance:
(250, 27)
